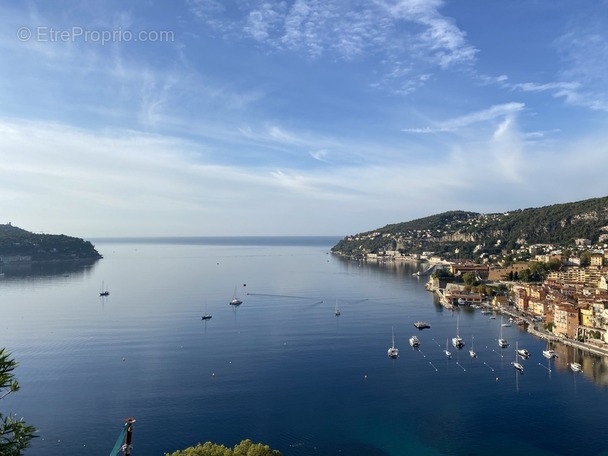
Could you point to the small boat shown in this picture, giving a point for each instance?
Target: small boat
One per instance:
(517, 365)
(104, 291)
(505, 325)
(549, 353)
(206, 316)
(414, 342)
(574, 366)
(422, 325)
(448, 354)
(472, 352)
(502, 343)
(523, 353)
(393, 352)
(235, 301)
(337, 311)
(457, 341)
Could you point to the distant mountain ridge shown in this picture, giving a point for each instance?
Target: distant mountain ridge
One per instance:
(558, 224)
(17, 244)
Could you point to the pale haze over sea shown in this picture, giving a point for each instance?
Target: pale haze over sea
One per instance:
(300, 117)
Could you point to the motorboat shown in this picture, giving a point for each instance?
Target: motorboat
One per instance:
(414, 342)
(576, 367)
(523, 353)
(422, 325)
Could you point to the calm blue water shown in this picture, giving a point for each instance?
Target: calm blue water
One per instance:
(281, 368)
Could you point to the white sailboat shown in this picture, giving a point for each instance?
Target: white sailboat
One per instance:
(337, 311)
(457, 341)
(448, 354)
(472, 352)
(516, 364)
(574, 366)
(393, 352)
(502, 343)
(548, 352)
(235, 301)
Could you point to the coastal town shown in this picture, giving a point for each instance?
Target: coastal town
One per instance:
(569, 305)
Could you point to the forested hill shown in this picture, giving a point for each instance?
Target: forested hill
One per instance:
(16, 242)
(559, 224)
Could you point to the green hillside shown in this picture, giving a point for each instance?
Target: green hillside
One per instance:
(558, 224)
(17, 242)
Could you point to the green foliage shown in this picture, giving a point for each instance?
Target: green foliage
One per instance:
(469, 278)
(441, 273)
(245, 448)
(558, 224)
(43, 247)
(15, 435)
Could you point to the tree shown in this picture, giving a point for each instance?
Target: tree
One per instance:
(245, 448)
(469, 278)
(15, 435)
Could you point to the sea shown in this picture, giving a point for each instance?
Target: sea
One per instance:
(281, 368)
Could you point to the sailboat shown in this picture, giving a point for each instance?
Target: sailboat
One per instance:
(337, 310)
(516, 364)
(393, 352)
(206, 316)
(502, 343)
(446, 351)
(574, 366)
(235, 301)
(472, 352)
(548, 352)
(457, 341)
(103, 291)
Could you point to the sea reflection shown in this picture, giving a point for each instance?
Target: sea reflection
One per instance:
(45, 270)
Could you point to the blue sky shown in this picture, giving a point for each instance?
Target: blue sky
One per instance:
(305, 117)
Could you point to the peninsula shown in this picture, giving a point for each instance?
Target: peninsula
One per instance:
(20, 246)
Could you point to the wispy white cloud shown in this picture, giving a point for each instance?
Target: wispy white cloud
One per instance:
(485, 115)
(412, 36)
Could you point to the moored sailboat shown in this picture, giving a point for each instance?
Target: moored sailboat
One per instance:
(516, 364)
(235, 301)
(457, 341)
(393, 352)
(448, 354)
(574, 366)
(548, 352)
(502, 343)
(103, 291)
(472, 353)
